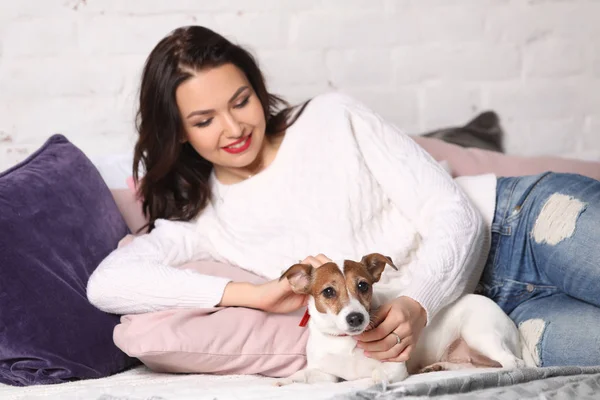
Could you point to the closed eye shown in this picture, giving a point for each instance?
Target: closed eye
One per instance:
(242, 103)
(203, 124)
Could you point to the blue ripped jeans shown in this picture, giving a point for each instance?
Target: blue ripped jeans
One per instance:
(543, 269)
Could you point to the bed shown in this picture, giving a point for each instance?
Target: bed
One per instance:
(142, 384)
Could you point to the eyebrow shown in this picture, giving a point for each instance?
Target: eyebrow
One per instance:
(203, 112)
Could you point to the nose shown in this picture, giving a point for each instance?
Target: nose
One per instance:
(232, 127)
(355, 319)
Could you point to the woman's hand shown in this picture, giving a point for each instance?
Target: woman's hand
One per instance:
(277, 295)
(402, 318)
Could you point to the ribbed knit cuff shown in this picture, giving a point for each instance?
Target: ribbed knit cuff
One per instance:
(206, 290)
(428, 294)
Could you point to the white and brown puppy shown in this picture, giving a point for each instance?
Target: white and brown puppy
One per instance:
(471, 332)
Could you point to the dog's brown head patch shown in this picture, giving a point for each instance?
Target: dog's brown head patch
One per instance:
(359, 282)
(329, 288)
(333, 286)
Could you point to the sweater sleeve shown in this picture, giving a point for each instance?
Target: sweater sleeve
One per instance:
(142, 275)
(448, 223)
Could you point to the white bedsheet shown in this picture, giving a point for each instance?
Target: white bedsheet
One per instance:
(143, 384)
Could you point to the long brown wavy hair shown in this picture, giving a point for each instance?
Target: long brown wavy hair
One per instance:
(175, 182)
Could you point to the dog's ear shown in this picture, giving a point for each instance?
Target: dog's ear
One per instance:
(375, 264)
(300, 277)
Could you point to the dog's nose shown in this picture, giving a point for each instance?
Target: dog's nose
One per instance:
(355, 319)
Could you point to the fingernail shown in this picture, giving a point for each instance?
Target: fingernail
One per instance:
(367, 354)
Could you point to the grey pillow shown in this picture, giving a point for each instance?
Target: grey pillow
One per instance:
(484, 132)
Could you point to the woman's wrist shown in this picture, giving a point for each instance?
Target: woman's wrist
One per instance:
(239, 294)
(421, 313)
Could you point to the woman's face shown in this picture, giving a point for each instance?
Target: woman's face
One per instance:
(223, 118)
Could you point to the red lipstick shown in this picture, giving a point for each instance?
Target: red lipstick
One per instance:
(236, 150)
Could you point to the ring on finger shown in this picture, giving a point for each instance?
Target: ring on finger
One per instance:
(398, 338)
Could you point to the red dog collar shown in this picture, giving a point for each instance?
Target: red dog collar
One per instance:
(305, 318)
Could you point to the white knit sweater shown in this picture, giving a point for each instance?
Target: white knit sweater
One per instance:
(344, 183)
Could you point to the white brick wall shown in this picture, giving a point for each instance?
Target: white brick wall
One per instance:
(72, 66)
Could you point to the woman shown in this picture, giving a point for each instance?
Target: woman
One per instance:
(233, 174)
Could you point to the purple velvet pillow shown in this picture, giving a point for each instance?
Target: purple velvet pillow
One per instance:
(58, 220)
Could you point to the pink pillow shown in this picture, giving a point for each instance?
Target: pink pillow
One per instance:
(216, 340)
(474, 161)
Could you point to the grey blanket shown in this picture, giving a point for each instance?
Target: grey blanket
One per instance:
(527, 383)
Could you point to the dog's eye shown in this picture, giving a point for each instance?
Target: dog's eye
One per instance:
(363, 286)
(329, 292)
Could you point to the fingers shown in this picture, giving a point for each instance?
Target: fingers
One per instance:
(403, 357)
(379, 315)
(382, 329)
(384, 344)
(379, 344)
(316, 261)
(378, 333)
(389, 349)
(323, 259)
(312, 261)
(387, 341)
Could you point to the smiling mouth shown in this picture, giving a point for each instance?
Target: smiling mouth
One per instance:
(239, 146)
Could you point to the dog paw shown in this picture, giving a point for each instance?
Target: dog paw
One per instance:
(389, 372)
(378, 376)
(316, 376)
(307, 376)
(395, 371)
(431, 368)
(512, 363)
(297, 377)
(520, 363)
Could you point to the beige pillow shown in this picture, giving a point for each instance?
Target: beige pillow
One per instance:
(130, 208)
(472, 161)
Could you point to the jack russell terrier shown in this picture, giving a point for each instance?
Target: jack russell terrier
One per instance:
(471, 332)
